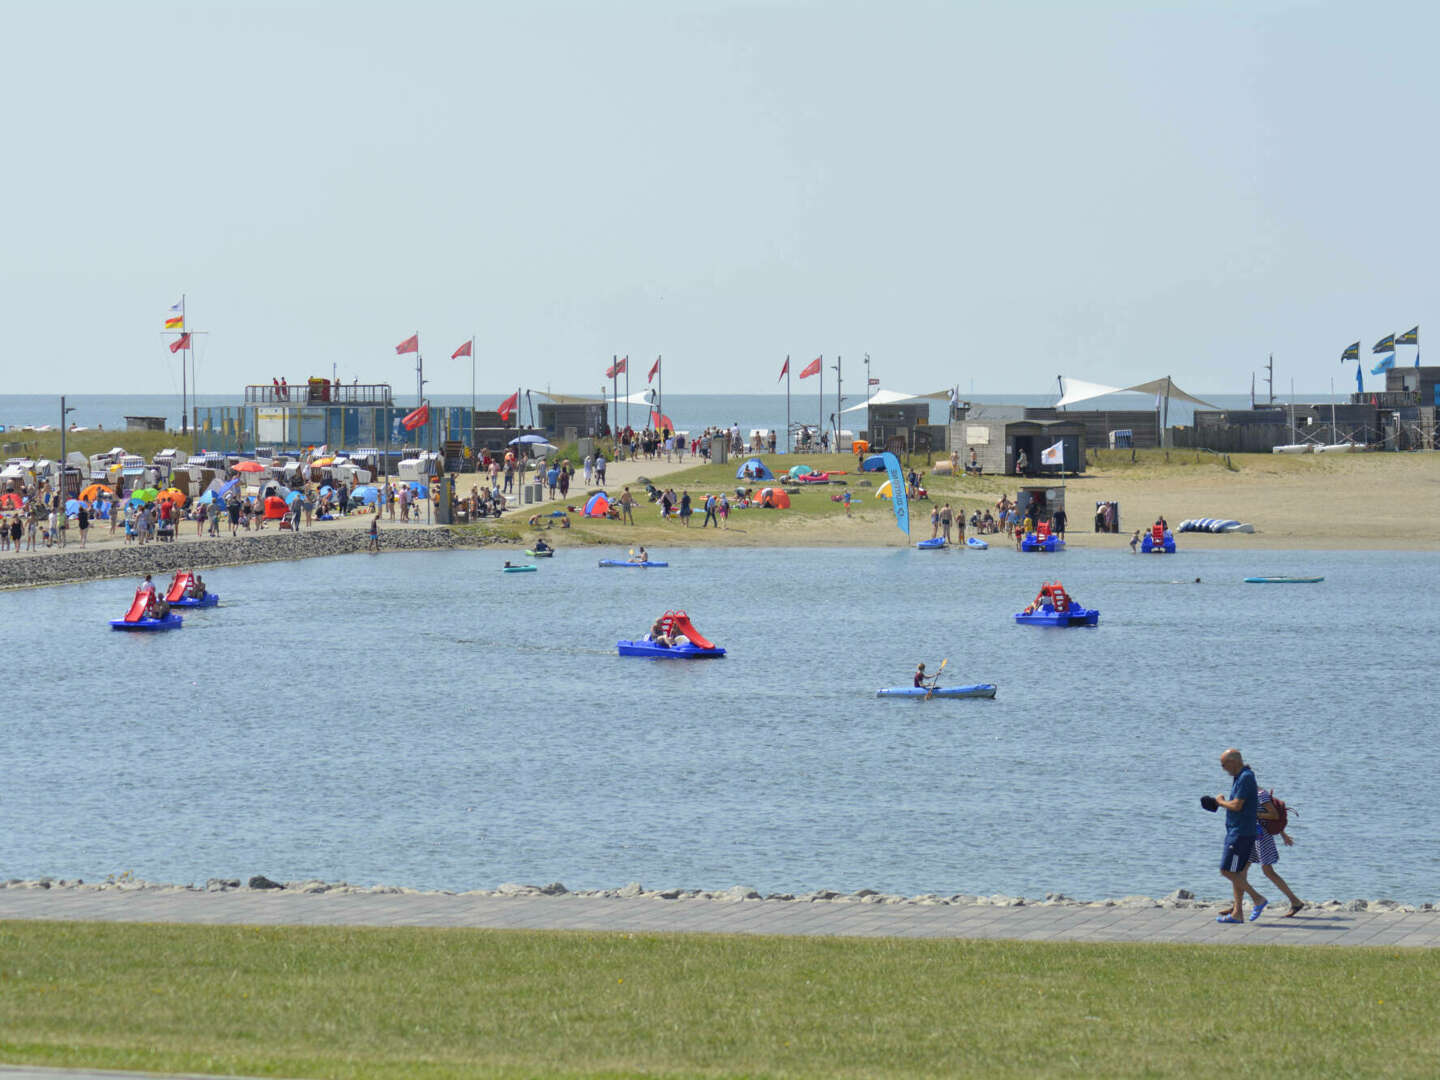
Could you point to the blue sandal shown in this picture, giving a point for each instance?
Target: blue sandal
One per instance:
(1227, 918)
(1257, 909)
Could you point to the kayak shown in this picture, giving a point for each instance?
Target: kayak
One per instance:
(518, 569)
(546, 554)
(1283, 580)
(649, 649)
(934, 543)
(1048, 616)
(169, 622)
(980, 690)
(976, 542)
(624, 562)
(210, 599)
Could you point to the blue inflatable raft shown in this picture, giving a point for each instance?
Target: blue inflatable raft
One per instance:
(978, 690)
(977, 543)
(635, 565)
(169, 622)
(684, 651)
(934, 543)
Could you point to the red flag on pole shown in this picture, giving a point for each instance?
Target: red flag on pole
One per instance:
(181, 342)
(419, 418)
(617, 368)
(410, 344)
(784, 370)
(812, 368)
(508, 406)
(463, 350)
(653, 370)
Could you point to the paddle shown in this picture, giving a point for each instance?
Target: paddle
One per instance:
(935, 678)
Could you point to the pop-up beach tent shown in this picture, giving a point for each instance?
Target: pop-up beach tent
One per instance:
(754, 469)
(598, 505)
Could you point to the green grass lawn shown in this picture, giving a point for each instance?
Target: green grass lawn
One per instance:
(439, 1003)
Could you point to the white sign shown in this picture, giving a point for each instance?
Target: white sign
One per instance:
(977, 435)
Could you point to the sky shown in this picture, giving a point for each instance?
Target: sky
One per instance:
(982, 195)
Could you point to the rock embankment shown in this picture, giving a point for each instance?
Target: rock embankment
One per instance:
(1179, 899)
(58, 568)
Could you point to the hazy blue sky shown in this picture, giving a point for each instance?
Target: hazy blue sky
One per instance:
(982, 194)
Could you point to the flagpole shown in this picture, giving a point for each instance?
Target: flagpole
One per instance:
(184, 377)
(472, 399)
(787, 403)
(615, 405)
(660, 388)
(627, 391)
(821, 373)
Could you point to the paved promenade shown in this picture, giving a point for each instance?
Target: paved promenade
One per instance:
(1031, 922)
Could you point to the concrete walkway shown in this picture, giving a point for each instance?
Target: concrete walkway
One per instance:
(1031, 922)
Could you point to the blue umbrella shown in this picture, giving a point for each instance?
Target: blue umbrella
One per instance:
(295, 497)
(228, 487)
(420, 489)
(208, 497)
(327, 490)
(366, 495)
(72, 507)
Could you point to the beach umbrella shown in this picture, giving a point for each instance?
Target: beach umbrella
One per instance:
(72, 507)
(248, 466)
(94, 491)
(206, 499)
(322, 462)
(175, 495)
(293, 498)
(144, 495)
(326, 489)
(883, 491)
(365, 495)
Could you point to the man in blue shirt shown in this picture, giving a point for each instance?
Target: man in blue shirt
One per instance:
(1242, 823)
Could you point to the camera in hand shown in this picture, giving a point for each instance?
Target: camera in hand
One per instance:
(1209, 803)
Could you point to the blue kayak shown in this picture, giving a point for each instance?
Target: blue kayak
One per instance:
(1048, 616)
(625, 562)
(210, 599)
(976, 542)
(649, 649)
(169, 622)
(933, 544)
(978, 690)
(1283, 580)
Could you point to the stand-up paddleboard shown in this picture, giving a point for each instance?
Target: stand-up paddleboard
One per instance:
(977, 690)
(977, 543)
(1283, 580)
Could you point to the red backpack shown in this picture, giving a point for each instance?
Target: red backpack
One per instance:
(1276, 825)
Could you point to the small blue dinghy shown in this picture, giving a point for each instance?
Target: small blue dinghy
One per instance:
(933, 544)
(977, 543)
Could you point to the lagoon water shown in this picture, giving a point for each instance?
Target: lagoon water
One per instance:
(425, 720)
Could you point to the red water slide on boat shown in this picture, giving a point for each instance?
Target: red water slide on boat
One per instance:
(679, 623)
(178, 588)
(138, 606)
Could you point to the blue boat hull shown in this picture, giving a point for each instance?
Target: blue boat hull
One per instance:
(979, 544)
(977, 690)
(208, 600)
(1283, 580)
(632, 565)
(660, 652)
(518, 569)
(1034, 543)
(1048, 616)
(933, 544)
(1149, 547)
(169, 622)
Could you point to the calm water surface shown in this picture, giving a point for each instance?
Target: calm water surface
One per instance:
(424, 719)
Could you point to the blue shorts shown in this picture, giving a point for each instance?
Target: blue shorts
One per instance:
(1237, 853)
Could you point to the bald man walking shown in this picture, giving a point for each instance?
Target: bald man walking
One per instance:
(1242, 823)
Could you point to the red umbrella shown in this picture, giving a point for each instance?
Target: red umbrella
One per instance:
(249, 466)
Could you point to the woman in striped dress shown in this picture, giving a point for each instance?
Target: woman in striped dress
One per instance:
(1267, 855)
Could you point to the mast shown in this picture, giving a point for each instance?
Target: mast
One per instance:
(1270, 380)
(184, 380)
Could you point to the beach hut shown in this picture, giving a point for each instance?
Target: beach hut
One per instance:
(754, 469)
(598, 505)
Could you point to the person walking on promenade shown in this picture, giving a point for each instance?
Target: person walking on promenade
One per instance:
(1267, 855)
(1241, 824)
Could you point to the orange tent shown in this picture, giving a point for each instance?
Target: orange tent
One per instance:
(274, 507)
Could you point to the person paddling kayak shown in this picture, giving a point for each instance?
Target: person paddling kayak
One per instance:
(921, 682)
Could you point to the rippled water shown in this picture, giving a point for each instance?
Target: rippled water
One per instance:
(424, 719)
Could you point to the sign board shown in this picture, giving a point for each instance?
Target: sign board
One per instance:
(977, 435)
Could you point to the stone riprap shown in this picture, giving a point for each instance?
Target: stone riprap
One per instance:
(1179, 918)
(58, 568)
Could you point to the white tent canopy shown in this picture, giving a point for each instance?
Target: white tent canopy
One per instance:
(894, 397)
(1077, 390)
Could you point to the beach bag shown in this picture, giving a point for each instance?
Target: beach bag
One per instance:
(1276, 826)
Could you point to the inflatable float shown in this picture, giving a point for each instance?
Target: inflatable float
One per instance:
(1283, 580)
(545, 554)
(136, 619)
(1213, 525)
(673, 623)
(933, 544)
(978, 690)
(1053, 606)
(178, 594)
(636, 565)
(518, 569)
(1158, 541)
(977, 543)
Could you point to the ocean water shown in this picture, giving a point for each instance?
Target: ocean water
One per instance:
(424, 719)
(690, 412)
